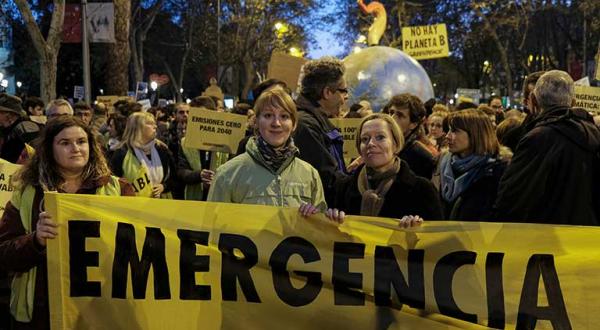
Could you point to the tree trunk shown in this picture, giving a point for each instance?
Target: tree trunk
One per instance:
(117, 82)
(249, 76)
(47, 49)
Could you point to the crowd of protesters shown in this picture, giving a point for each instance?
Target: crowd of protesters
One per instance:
(417, 160)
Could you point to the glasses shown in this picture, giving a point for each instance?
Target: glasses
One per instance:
(343, 90)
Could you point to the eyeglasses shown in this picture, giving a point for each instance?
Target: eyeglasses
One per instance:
(343, 90)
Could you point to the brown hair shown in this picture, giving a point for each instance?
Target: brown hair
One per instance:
(394, 128)
(479, 127)
(416, 109)
(276, 98)
(42, 169)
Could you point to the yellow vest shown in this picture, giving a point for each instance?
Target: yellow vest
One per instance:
(192, 191)
(137, 175)
(23, 284)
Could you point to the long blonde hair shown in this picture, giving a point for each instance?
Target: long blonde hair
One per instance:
(132, 136)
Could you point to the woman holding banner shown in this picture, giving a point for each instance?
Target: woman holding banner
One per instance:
(471, 171)
(68, 160)
(385, 186)
(143, 160)
(269, 173)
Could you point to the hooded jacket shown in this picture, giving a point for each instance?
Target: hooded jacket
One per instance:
(246, 179)
(554, 174)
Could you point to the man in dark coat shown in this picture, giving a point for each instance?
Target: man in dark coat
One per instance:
(15, 130)
(553, 176)
(323, 93)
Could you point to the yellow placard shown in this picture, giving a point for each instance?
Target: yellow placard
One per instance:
(214, 131)
(425, 42)
(587, 97)
(141, 184)
(124, 262)
(349, 128)
(110, 100)
(286, 68)
(7, 170)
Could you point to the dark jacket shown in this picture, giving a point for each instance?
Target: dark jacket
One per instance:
(20, 252)
(476, 203)
(554, 172)
(408, 195)
(420, 160)
(12, 145)
(320, 144)
(166, 158)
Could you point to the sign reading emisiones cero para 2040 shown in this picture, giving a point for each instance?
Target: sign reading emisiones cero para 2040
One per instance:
(154, 264)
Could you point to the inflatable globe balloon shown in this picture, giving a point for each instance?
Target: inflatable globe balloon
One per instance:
(377, 73)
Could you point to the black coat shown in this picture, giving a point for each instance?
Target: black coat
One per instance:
(317, 148)
(554, 172)
(408, 195)
(420, 160)
(476, 203)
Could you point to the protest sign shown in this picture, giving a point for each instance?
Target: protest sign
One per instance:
(78, 92)
(349, 128)
(425, 42)
(468, 95)
(125, 262)
(588, 98)
(6, 171)
(285, 67)
(110, 100)
(214, 131)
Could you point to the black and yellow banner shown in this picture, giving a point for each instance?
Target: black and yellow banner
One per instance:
(137, 263)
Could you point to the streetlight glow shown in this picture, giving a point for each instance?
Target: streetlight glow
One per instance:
(361, 39)
(153, 85)
(1, 75)
(181, 91)
(295, 52)
(357, 49)
(4, 83)
(19, 84)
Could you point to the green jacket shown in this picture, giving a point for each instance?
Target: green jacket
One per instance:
(246, 179)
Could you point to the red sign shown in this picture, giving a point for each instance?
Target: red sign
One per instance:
(72, 25)
(162, 79)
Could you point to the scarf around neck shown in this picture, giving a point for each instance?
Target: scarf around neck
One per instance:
(457, 174)
(274, 158)
(372, 199)
(152, 164)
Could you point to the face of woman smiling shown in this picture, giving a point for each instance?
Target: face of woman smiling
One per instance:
(71, 149)
(377, 145)
(275, 125)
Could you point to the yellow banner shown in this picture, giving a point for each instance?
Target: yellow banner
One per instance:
(349, 128)
(110, 100)
(214, 131)
(588, 98)
(159, 264)
(6, 171)
(425, 42)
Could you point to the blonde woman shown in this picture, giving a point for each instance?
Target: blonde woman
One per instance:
(143, 159)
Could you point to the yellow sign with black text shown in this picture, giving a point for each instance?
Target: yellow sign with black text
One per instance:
(7, 170)
(214, 131)
(349, 128)
(425, 42)
(587, 97)
(136, 263)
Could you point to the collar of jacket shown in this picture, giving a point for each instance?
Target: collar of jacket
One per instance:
(315, 110)
(254, 152)
(404, 176)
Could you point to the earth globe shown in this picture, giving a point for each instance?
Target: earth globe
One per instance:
(377, 73)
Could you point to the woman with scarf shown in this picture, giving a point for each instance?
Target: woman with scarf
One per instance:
(68, 160)
(144, 160)
(471, 170)
(269, 172)
(385, 186)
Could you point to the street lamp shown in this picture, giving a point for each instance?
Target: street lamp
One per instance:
(19, 84)
(295, 52)
(181, 91)
(153, 85)
(4, 83)
(101, 91)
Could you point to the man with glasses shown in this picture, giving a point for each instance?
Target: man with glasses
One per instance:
(323, 93)
(58, 107)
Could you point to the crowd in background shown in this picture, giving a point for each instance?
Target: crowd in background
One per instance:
(417, 160)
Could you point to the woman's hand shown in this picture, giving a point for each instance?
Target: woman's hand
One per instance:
(45, 228)
(207, 176)
(157, 190)
(409, 221)
(307, 209)
(355, 164)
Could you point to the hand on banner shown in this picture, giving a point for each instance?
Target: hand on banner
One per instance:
(207, 176)
(307, 209)
(157, 190)
(45, 228)
(409, 221)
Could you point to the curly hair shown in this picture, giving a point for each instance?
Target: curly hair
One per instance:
(42, 170)
(416, 109)
(318, 74)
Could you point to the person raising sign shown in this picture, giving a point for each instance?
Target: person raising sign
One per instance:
(143, 160)
(68, 160)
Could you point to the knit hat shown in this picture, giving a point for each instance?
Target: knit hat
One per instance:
(10, 103)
